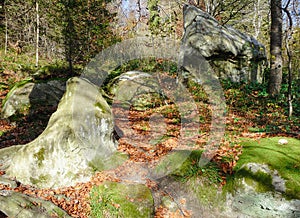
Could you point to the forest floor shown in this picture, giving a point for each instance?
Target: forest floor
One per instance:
(240, 123)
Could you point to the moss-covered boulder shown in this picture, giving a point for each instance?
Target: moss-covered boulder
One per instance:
(77, 141)
(26, 95)
(137, 89)
(265, 182)
(266, 179)
(14, 204)
(113, 199)
(270, 166)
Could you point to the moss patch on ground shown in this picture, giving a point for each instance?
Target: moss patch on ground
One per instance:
(184, 164)
(200, 181)
(115, 160)
(208, 194)
(112, 199)
(285, 158)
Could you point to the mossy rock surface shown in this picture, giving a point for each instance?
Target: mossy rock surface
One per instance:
(282, 161)
(175, 163)
(14, 204)
(77, 141)
(266, 179)
(232, 54)
(115, 160)
(112, 199)
(27, 95)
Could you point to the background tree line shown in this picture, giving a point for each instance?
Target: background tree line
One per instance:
(71, 29)
(76, 30)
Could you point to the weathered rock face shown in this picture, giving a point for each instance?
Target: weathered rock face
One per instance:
(27, 94)
(264, 198)
(14, 204)
(268, 204)
(77, 141)
(136, 88)
(232, 54)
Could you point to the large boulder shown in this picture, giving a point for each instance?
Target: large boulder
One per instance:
(134, 88)
(77, 141)
(266, 179)
(26, 95)
(14, 204)
(232, 54)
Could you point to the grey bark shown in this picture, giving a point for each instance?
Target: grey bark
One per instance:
(276, 48)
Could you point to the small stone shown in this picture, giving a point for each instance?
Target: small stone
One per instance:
(282, 141)
(7, 182)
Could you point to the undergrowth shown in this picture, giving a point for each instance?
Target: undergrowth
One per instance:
(263, 113)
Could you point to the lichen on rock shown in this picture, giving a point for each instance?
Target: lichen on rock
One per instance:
(80, 131)
(232, 54)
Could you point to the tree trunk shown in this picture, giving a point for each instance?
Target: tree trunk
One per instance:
(37, 34)
(6, 29)
(288, 38)
(276, 48)
(257, 19)
(290, 96)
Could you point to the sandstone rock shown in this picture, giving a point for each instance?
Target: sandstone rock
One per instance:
(259, 193)
(77, 141)
(232, 54)
(283, 141)
(268, 204)
(26, 94)
(277, 182)
(137, 89)
(14, 204)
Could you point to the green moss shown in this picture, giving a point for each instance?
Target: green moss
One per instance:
(40, 156)
(71, 175)
(113, 199)
(40, 180)
(208, 194)
(283, 158)
(115, 160)
(14, 87)
(184, 165)
(262, 182)
(190, 168)
(172, 163)
(101, 107)
(57, 213)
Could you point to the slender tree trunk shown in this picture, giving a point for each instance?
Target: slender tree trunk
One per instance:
(257, 18)
(6, 29)
(37, 34)
(290, 96)
(288, 37)
(89, 27)
(69, 34)
(276, 48)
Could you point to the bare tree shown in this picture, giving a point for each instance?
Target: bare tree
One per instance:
(288, 36)
(257, 18)
(6, 28)
(37, 33)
